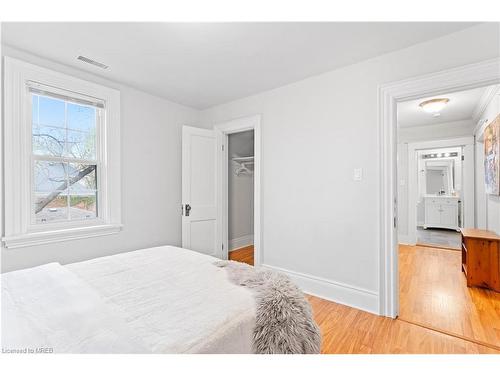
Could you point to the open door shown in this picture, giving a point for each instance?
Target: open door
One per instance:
(199, 192)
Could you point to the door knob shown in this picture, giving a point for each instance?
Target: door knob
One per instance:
(188, 209)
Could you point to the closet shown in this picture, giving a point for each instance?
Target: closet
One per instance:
(240, 190)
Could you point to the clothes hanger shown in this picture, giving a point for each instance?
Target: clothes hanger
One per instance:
(242, 169)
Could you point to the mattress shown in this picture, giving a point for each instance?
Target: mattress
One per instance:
(158, 300)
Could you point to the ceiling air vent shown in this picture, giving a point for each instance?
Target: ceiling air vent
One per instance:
(92, 62)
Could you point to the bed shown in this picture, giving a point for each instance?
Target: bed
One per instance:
(156, 300)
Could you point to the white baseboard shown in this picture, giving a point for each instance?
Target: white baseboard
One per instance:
(344, 294)
(243, 241)
(404, 239)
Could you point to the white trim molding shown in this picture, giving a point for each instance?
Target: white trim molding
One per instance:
(404, 239)
(331, 290)
(466, 77)
(485, 99)
(239, 242)
(42, 238)
(481, 122)
(19, 229)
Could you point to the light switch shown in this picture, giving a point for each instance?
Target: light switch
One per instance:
(358, 174)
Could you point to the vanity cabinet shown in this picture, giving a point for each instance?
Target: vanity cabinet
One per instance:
(441, 212)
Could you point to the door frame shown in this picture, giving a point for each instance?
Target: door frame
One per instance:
(466, 77)
(222, 130)
(467, 144)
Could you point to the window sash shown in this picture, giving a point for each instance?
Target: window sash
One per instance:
(65, 95)
(58, 94)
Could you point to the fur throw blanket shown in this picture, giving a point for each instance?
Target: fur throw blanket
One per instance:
(284, 322)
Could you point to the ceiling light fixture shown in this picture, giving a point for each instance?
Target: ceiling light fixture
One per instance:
(434, 105)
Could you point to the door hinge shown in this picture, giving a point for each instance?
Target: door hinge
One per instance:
(222, 147)
(222, 247)
(463, 157)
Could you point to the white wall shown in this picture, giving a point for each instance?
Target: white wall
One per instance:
(151, 175)
(487, 206)
(445, 130)
(317, 222)
(240, 193)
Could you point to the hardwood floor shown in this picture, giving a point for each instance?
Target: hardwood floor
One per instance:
(433, 293)
(243, 254)
(346, 330)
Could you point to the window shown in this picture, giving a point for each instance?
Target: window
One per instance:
(64, 158)
(61, 157)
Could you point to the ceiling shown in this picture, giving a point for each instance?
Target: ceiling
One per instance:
(205, 64)
(460, 107)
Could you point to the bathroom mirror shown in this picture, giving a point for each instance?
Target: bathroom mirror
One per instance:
(439, 177)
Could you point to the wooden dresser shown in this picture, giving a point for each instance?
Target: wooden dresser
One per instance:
(481, 258)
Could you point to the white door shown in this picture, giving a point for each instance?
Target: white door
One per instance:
(199, 198)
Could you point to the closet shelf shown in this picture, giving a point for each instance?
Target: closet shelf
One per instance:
(244, 159)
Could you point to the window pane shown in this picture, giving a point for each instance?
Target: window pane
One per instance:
(50, 207)
(82, 178)
(63, 128)
(83, 206)
(50, 176)
(51, 112)
(81, 117)
(48, 140)
(81, 145)
(63, 190)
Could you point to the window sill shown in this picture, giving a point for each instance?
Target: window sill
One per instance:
(41, 238)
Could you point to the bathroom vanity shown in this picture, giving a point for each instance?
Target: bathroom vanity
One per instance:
(441, 211)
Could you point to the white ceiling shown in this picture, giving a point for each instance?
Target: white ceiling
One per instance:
(460, 107)
(205, 64)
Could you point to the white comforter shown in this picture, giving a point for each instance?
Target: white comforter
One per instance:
(50, 308)
(160, 300)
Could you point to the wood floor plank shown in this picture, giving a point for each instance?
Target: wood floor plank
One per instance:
(243, 254)
(433, 293)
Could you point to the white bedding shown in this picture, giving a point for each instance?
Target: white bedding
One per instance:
(160, 300)
(50, 308)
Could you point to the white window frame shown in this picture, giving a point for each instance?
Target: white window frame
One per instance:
(18, 173)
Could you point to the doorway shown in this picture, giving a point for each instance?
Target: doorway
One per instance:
(205, 187)
(436, 160)
(239, 189)
(475, 75)
(440, 198)
(240, 150)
